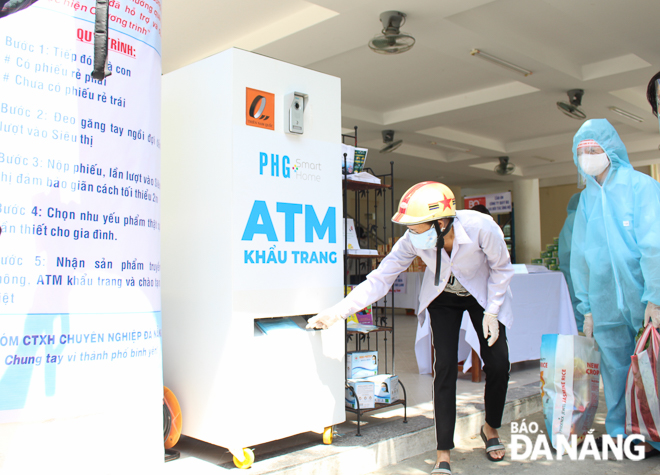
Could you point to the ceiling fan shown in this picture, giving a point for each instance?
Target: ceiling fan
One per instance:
(390, 144)
(392, 40)
(572, 108)
(504, 167)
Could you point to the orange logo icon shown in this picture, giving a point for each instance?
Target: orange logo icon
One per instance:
(259, 109)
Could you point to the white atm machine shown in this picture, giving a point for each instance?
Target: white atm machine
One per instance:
(252, 232)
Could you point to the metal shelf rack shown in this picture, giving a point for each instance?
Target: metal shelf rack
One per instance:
(373, 237)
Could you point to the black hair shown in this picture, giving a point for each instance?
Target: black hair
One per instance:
(481, 208)
(652, 93)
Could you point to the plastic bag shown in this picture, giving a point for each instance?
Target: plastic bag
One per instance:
(570, 374)
(642, 402)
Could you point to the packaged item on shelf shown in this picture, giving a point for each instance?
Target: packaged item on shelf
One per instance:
(537, 261)
(364, 390)
(546, 254)
(555, 254)
(556, 241)
(553, 267)
(364, 316)
(363, 252)
(551, 247)
(386, 387)
(361, 364)
(550, 261)
(360, 158)
(364, 177)
(351, 235)
(359, 327)
(350, 157)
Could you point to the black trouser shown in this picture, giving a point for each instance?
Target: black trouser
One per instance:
(446, 313)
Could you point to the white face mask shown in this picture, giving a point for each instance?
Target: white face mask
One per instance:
(593, 164)
(425, 240)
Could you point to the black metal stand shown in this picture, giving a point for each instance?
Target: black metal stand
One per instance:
(378, 407)
(362, 191)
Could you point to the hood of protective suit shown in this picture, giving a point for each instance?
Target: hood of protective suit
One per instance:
(607, 137)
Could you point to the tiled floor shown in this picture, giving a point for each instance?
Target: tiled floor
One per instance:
(199, 454)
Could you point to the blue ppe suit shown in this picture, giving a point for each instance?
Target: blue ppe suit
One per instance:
(565, 237)
(615, 257)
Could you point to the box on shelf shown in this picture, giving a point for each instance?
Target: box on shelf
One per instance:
(351, 235)
(363, 177)
(362, 252)
(364, 316)
(546, 254)
(556, 240)
(360, 158)
(386, 388)
(555, 253)
(550, 261)
(361, 364)
(349, 159)
(553, 267)
(364, 390)
(551, 247)
(537, 261)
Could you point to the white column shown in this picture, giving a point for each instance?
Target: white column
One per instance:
(527, 217)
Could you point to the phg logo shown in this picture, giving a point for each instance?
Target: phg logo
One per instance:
(522, 446)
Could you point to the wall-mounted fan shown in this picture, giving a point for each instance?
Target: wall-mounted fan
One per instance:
(392, 40)
(390, 144)
(504, 167)
(572, 108)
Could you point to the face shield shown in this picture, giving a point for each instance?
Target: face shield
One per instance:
(592, 158)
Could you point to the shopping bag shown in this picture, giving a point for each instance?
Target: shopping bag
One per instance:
(642, 402)
(570, 373)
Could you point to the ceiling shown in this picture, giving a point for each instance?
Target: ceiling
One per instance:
(455, 112)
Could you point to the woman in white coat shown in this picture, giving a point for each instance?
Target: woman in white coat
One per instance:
(473, 274)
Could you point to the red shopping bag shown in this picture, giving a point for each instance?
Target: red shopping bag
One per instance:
(642, 402)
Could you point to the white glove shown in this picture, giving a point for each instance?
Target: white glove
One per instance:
(652, 313)
(492, 327)
(588, 325)
(324, 319)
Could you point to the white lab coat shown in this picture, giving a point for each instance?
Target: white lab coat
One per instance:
(479, 260)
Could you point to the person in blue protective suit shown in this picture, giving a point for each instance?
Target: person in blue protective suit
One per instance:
(615, 252)
(565, 236)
